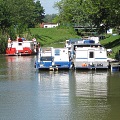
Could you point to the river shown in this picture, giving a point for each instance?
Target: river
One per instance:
(28, 94)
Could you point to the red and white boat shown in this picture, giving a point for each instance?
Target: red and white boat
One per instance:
(21, 47)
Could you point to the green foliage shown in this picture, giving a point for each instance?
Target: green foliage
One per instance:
(50, 18)
(20, 14)
(3, 43)
(37, 15)
(12, 32)
(102, 14)
(16, 16)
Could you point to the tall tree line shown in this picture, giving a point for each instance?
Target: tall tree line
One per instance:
(16, 16)
(19, 14)
(50, 18)
(102, 14)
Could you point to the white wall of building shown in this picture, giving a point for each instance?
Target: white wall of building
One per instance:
(50, 25)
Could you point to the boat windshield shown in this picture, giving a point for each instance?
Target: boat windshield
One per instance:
(46, 59)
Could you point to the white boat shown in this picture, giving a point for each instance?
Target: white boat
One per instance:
(21, 47)
(44, 59)
(53, 59)
(62, 58)
(89, 56)
(69, 43)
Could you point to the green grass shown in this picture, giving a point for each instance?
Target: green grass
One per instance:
(53, 37)
(112, 42)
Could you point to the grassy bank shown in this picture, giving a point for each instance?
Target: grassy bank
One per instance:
(54, 37)
(112, 42)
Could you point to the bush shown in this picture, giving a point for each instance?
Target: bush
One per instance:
(3, 43)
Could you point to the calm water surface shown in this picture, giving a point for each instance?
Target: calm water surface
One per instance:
(26, 94)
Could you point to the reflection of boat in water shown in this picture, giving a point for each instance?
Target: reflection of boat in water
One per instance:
(19, 65)
(84, 94)
(14, 59)
(82, 84)
(58, 76)
(89, 94)
(91, 84)
(55, 86)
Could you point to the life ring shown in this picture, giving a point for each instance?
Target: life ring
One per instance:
(84, 64)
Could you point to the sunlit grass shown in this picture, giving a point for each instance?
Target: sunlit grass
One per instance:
(112, 42)
(53, 36)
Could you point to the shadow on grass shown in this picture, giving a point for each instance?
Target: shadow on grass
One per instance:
(112, 44)
(117, 56)
(115, 43)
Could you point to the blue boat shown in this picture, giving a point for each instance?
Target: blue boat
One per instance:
(53, 59)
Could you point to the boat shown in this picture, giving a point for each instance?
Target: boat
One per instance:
(70, 42)
(62, 59)
(21, 47)
(44, 58)
(89, 55)
(53, 59)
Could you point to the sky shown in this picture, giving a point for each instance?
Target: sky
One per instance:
(48, 6)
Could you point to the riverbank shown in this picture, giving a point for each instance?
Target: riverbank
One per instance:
(55, 37)
(112, 42)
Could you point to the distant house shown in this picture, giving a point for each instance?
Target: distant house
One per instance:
(48, 25)
(109, 31)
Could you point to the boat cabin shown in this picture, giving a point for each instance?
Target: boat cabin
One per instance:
(70, 42)
(89, 56)
(53, 59)
(21, 48)
(62, 58)
(44, 58)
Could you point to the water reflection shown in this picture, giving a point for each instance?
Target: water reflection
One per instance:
(26, 94)
(91, 95)
(53, 95)
(56, 85)
(91, 84)
(81, 94)
(19, 67)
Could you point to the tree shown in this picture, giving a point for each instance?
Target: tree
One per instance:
(20, 13)
(50, 18)
(17, 16)
(90, 12)
(38, 14)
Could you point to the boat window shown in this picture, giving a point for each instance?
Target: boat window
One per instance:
(91, 54)
(46, 59)
(68, 42)
(87, 45)
(57, 52)
(19, 43)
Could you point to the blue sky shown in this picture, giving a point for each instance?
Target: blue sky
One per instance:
(48, 6)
